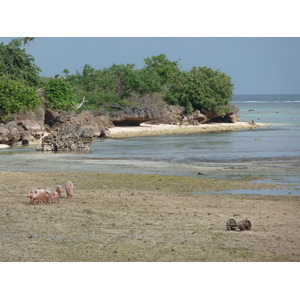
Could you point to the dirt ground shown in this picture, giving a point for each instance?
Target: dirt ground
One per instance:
(145, 218)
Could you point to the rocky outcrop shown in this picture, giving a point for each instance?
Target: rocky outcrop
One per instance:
(98, 123)
(67, 138)
(131, 116)
(230, 117)
(61, 126)
(32, 125)
(153, 110)
(23, 128)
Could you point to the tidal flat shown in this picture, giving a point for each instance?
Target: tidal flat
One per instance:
(144, 218)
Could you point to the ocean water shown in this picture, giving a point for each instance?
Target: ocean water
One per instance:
(268, 154)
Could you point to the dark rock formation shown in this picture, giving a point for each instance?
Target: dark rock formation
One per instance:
(132, 116)
(94, 121)
(68, 138)
(230, 117)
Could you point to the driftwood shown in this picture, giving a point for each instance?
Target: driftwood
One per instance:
(81, 103)
(245, 224)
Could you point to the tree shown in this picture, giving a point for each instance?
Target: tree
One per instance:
(17, 64)
(202, 87)
(167, 70)
(66, 72)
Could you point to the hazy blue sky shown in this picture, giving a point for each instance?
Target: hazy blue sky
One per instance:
(256, 65)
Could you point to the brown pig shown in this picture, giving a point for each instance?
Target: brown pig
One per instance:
(59, 190)
(70, 189)
(54, 196)
(39, 195)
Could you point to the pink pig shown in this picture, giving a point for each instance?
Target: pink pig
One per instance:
(39, 195)
(54, 196)
(59, 190)
(30, 195)
(70, 189)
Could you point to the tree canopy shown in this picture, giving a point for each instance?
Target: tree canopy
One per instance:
(199, 88)
(17, 64)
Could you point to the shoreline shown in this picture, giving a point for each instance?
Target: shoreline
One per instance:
(167, 129)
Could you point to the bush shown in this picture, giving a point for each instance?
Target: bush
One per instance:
(59, 94)
(16, 97)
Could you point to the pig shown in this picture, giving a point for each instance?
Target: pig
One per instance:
(48, 192)
(59, 190)
(39, 195)
(54, 196)
(70, 189)
(30, 195)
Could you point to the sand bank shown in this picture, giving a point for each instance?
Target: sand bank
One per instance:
(163, 129)
(124, 217)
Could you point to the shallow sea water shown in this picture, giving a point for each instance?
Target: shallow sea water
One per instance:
(270, 153)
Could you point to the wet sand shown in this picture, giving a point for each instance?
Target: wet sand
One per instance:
(122, 217)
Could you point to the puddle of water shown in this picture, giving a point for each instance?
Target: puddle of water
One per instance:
(259, 192)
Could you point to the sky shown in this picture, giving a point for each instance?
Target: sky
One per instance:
(256, 65)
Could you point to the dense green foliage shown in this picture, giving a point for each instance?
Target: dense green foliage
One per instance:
(165, 69)
(59, 94)
(196, 89)
(201, 88)
(15, 96)
(17, 64)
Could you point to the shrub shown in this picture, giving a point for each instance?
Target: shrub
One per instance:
(16, 97)
(59, 94)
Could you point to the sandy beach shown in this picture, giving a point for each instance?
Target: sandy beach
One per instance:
(122, 217)
(163, 129)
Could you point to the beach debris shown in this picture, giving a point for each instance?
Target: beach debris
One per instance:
(231, 224)
(81, 103)
(251, 122)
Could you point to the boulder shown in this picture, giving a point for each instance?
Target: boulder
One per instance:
(67, 138)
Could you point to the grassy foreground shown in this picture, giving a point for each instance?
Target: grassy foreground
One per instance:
(122, 217)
